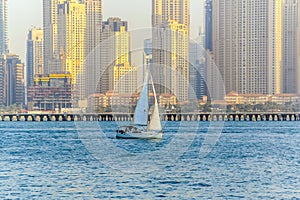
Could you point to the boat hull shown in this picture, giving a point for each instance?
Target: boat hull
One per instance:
(139, 135)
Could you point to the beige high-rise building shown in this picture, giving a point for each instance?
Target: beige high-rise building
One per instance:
(247, 45)
(125, 78)
(290, 46)
(92, 46)
(34, 55)
(71, 26)
(170, 34)
(115, 50)
(51, 56)
(165, 10)
(175, 42)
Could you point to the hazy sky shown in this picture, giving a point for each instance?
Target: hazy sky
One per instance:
(25, 14)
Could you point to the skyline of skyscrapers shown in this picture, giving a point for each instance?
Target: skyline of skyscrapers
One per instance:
(252, 47)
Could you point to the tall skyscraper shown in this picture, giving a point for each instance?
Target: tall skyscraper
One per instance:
(3, 27)
(213, 81)
(11, 80)
(34, 63)
(290, 49)
(208, 25)
(92, 45)
(171, 27)
(2, 81)
(51, 56)
(115, 50)
(247, 45)
(71, 27)
(197, 71)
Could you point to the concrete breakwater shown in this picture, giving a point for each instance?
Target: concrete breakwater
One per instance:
(251, 116)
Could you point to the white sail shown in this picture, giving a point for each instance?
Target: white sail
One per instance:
(155, 124)
(142, 109)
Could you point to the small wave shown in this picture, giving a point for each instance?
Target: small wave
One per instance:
(170, 182)
(161, 196)
(201, 185)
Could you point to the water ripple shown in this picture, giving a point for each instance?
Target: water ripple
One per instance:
(47, 160)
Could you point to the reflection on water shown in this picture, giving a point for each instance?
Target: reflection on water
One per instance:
(251, 160)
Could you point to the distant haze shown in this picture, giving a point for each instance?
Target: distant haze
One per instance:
(26, 14)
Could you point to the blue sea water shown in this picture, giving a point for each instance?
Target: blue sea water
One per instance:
(194, 160)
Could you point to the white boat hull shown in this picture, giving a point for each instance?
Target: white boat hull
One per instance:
(140, 135)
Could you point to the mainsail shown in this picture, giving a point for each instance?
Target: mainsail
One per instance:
(142, 108)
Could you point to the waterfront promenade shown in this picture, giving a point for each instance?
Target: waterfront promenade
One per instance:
(248, 116)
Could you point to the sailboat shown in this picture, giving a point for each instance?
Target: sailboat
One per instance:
(141, 128)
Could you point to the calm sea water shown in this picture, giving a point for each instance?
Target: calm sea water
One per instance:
(66, 160)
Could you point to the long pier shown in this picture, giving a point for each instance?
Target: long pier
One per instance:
(251, 116)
